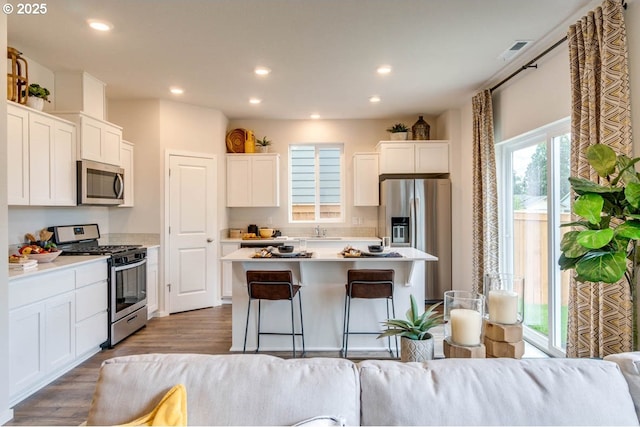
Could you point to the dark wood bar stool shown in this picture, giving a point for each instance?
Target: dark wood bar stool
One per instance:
(367, 284)
(273, 286)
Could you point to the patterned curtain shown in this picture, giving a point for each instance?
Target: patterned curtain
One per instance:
(485, 192)
(599, 314)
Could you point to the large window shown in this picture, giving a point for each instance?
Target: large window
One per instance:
(316, 188)
(535, 199)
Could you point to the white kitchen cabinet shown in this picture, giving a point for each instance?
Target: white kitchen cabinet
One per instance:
(226, 276)
(57, 319)
(59, 331)
(253, 180)
(152, 280)
(91, 321)
(42, 157)
(126, 163)
(17, 155)
(413, 157)
(365, 179)
(98, 140)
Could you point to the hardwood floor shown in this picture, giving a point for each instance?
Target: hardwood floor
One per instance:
(66, 401)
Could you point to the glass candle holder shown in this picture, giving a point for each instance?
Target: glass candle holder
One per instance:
(504, 294)
(463, 313)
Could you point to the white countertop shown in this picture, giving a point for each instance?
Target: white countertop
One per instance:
(271, 240)
(331, 254)
(63, 261)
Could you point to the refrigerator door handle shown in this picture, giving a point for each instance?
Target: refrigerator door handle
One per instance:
(417, 238)
(412, 223)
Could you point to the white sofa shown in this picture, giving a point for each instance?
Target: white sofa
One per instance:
(266, 390)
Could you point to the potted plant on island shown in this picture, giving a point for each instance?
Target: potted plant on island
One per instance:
(416, 342)
(263, 145)
(37, 96)
(399, 132)
(604, 246)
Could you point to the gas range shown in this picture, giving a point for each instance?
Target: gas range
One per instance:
(127, 277)
(89, 248)
(83, 240)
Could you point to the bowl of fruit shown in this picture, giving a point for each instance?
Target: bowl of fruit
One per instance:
(42, 249)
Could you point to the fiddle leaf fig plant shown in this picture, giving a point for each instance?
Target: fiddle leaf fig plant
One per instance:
(603, 248)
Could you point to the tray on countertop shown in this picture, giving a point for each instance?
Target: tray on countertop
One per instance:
(272, 255)
(364, 254)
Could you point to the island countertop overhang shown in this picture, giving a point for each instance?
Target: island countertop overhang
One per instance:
(331, 254)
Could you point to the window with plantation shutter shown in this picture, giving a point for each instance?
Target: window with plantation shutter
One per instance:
(316, 188)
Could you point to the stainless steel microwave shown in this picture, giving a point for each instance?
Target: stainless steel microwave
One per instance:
(99, 183)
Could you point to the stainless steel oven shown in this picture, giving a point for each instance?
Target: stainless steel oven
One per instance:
(127, 277)
(128, 293)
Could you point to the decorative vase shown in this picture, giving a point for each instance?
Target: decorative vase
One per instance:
(420, 129)
(416, 350)
(35, 103)
(398, 136)
(262, 148)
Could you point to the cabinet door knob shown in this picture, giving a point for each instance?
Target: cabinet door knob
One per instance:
(209, 240)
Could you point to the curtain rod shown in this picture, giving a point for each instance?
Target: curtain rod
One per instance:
(531, 64)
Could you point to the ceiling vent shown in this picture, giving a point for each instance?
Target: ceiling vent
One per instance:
(517, 47)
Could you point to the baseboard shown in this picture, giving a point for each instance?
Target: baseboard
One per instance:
(6, 416)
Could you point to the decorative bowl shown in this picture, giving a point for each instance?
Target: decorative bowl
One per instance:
(285, 249)
(45, 257)
(375, 248)
(266, 232)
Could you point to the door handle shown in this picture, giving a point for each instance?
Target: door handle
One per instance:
(209, 240)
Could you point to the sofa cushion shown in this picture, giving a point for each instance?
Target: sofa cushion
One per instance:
(495, 392)
(228, 389)
(629, 363)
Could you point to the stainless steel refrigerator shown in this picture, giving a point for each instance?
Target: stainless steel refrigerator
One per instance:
(417, 213)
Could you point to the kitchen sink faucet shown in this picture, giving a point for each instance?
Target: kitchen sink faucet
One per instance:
(317, 231)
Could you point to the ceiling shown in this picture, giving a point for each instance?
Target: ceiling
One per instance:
(323, 53)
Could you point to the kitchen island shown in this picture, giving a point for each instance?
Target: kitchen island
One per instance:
(323, 278)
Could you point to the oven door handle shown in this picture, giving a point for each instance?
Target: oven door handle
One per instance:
(129, 266)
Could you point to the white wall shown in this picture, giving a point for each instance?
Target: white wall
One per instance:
(5, 413)
(140, 120)
(357, 136)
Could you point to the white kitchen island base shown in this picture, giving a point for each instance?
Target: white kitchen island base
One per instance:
(323, 278)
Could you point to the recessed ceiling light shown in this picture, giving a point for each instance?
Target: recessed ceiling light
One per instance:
(374, 99)
(176, 90)
(262, 71)
(255, 100)
(384, 69)
(99, 25)
(315, 116)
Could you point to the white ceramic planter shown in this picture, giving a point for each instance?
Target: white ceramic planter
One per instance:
(35, 103)
(416, 350)
(399, 136)
(262, 148)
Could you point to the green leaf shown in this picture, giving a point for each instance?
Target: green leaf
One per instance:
(632, 194)
(602, 159)
(567, 263)
(594, 239)
(589, 206)
(582, 186)
(607, 267)
(627, 172)
(570, 246)
(629, 229)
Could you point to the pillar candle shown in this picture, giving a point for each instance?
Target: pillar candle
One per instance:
(466, 326)
(503, 306)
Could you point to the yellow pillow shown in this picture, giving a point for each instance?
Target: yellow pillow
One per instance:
(171, 411)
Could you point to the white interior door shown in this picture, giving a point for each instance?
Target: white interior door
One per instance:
(192, 219)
